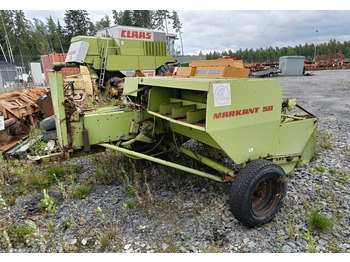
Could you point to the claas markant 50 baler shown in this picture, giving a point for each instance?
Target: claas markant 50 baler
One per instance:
(246, 119)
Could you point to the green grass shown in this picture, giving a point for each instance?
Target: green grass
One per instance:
(79, 192)
(323, 140)
(19, 233)
(319, 221)
(42, 180)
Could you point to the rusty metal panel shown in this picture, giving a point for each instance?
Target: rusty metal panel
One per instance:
(48, 60)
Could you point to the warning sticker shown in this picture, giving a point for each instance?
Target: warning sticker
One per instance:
(222, 94)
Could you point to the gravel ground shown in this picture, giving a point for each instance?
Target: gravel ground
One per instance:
(162, 210)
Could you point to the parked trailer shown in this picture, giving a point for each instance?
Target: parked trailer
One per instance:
(264, 73)
(246, 119)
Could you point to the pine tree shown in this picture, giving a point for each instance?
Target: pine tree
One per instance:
(103, 23)
(41, 45)
(21, 31)
(77, 23)
(126, 18)
(177, 25)
(54, 36)
(7, 37)
(147, 18)
(137, 18)
(51, 34)
(160, 19)
(61, 35)
(117, 16)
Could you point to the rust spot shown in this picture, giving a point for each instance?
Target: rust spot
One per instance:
(227, 178)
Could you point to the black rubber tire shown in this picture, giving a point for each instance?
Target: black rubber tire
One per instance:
(48, 123)
(271, 74)
(114, 79)
(248, 202)
(50, 135)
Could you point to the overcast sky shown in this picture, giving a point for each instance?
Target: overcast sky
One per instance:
(216, 29)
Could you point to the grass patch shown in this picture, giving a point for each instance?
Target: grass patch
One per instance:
(36, 133)
(319, 221)
(18, 178)
(130, 204)
(79, 192)
(47, 202)
(19, 233)
(111, 167)
(43, 180)
(323, 141)
(111, 237)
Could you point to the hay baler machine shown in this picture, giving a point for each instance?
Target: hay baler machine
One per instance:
(244, 119)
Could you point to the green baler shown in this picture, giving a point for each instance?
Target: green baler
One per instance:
(243, 118)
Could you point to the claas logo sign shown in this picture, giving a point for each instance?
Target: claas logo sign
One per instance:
(136, 35)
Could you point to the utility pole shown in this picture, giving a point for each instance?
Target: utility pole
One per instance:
(182, 46)
(315, 47)
(166, 23)
(59, 40)
(8, 45)
(2, 50)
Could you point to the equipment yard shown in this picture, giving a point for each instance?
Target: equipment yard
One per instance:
(106, 202)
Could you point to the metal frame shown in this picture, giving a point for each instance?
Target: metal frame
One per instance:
(249, 126)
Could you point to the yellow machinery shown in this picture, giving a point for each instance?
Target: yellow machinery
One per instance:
(214, 68)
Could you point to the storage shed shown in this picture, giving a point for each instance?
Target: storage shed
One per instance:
(291, 65)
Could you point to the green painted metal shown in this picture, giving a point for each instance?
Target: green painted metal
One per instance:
(243, 117)
(209, 162)
(104, 127)
(180, 111)
(163, 162)
(195, 116)
(166, 108)
(124, 54)
(104, 124)
(57, 94)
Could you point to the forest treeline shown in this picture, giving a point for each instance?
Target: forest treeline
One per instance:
(272, 54)
(32, 38)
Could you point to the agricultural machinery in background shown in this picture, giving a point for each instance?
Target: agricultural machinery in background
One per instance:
(117, 52)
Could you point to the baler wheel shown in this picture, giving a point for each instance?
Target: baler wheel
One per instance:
(257, 192)
(48, 123)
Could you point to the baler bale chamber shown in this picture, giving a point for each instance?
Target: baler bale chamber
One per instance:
(245, 119)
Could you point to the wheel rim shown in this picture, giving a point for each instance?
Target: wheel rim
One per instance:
(265, 197)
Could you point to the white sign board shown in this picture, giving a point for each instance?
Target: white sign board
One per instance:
(222, 94)
(2, 123)
(35, 70)
(77, 52)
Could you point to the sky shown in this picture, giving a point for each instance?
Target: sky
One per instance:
(223, 26)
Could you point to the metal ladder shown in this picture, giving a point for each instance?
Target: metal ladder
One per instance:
(104, 62)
